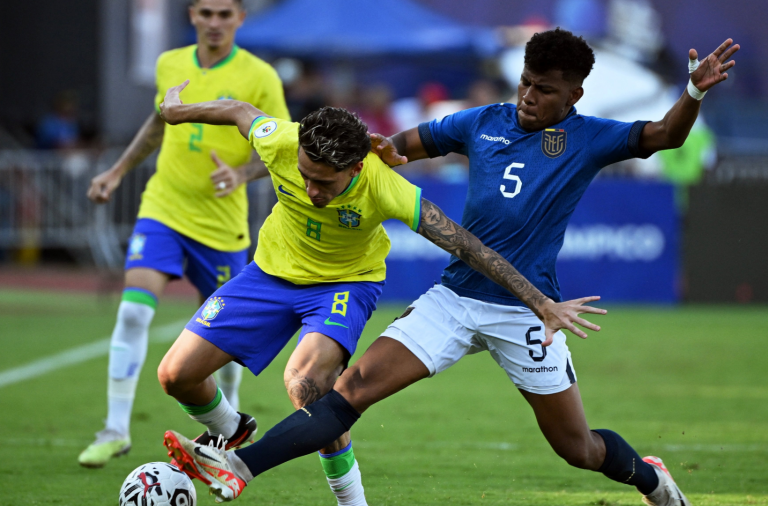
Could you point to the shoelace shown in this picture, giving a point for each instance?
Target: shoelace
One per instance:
(220, 443)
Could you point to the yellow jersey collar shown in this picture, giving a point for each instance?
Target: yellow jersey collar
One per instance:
(219, 63)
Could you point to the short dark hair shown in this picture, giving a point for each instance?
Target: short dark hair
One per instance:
(335, 137)
(560, 50)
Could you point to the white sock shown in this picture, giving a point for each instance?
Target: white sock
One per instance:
(229, 378)
(349, 488)
(218, 416)
(128, 349)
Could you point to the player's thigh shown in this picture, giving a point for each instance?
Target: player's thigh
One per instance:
(313, 368)
(438, 328)
(514, 336)
(155, 255)
(338, 311)
(385, 368)
(208, 269)
(251, 317)
(190, 360)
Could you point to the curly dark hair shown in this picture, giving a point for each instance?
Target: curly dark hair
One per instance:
(335, 137)
(560, 50)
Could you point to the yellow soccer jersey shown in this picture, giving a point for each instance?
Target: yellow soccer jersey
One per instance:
(180, 194)
(343, 241)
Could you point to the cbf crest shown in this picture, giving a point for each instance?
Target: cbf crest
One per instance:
(349, 216)
(136, 247)
(553, 142)
(212, 308)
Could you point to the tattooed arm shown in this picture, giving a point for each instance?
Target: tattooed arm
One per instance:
(147, 139)
(454, 239)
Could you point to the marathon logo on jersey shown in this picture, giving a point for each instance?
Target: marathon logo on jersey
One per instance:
(136, 247)
(553, 142)
(265, 129)
(540, 369)
(349, 217)
(495, 139)
(211, 310)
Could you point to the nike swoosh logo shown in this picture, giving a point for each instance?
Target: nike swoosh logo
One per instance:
(329, 322)
(203, 454)
(283, 190)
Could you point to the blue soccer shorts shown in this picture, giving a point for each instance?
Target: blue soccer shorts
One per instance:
(156, 246)
(255, 315)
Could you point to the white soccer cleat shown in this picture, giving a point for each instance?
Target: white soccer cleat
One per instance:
(108, 444)
(208, 464)
(667, 493)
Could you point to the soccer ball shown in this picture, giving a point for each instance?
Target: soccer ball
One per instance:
(157, 484)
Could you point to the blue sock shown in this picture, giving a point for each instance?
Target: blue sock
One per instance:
(306, 431)
(623, 464)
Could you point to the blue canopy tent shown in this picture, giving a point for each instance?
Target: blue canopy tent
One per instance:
(343, 29)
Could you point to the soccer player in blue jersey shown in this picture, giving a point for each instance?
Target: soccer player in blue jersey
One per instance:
(529, 165)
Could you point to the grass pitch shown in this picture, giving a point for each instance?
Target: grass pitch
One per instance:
(687, 384)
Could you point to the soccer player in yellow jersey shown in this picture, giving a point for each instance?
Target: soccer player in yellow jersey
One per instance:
(193, 214)
(319, 268)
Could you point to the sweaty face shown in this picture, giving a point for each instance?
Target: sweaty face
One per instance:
(323, 182)
(216, 21)
(544, 99)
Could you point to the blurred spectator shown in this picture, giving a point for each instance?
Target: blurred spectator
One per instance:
(60, 129)
(482, 92)
(376, 110)
(409, 112)
(305, 92)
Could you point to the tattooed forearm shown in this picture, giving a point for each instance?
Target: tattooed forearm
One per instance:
(451, 237)
(147, 139)
(301, 389)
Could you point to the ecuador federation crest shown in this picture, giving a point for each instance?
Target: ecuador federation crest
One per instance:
(553, 142)
(349, 216)
(212, 308)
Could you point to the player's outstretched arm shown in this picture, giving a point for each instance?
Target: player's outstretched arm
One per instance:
(218, 112)
(147, 139)
(454, 239)
(671, 132)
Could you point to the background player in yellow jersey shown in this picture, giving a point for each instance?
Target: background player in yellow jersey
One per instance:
(193, 214)
(319, 268)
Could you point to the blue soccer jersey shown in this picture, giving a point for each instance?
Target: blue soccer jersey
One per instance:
(524, 186)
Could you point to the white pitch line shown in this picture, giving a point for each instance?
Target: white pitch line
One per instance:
(79, 354)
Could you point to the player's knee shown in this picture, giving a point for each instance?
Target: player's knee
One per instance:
(304, 388)
(134, 316)
(172, 378)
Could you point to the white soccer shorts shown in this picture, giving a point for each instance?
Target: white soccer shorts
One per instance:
(440, 328)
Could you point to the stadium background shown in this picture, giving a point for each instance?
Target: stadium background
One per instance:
(679, 243)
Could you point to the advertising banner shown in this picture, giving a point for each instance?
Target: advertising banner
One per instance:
(622, 243)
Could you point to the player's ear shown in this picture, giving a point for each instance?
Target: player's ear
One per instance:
(356, 169)
(574, 96)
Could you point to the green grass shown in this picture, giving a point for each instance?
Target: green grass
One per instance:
(686, 384)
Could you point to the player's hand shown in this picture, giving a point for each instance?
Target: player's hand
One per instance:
(225, 179)
(171, 101)
(563, 315)
(103, 185)
(386, 150)
(712, 69)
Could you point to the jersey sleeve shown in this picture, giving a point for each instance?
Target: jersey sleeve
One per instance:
(272, 137)
(396, 197)
(271, 98)
(613, 141)
(450, 134)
